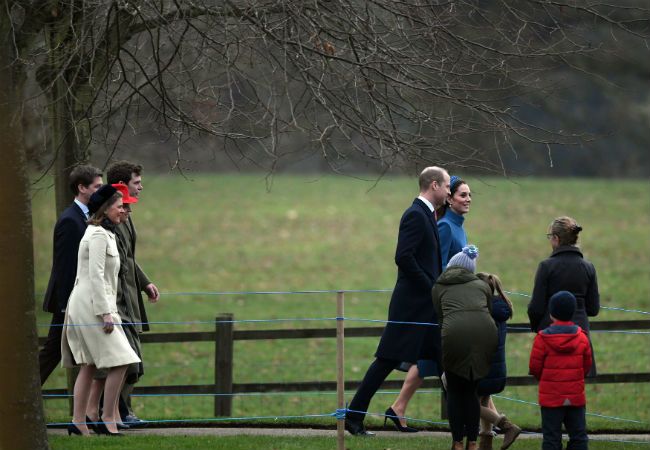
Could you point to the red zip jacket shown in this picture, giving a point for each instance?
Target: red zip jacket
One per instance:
(560, 359)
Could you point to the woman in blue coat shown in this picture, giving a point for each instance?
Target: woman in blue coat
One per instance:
(451, 218)
(495, 381)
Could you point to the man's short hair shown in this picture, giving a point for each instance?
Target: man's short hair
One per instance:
(431, 174)
(122, 171)
(83, 174)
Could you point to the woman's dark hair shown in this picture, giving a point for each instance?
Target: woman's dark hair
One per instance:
(566, 229)
(455, 183)
(98, 216)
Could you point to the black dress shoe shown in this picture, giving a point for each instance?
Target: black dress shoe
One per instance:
(133, 421)
(356, 428)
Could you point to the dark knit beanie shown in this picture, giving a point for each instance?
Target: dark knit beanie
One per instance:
(562, 305)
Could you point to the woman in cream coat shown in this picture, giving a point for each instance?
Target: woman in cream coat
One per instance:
(90, 335)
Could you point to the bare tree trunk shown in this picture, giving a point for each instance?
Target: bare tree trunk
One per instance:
(21, 407)
(66, 143)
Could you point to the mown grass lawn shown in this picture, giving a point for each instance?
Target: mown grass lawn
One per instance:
(228, 233)
(290, 443)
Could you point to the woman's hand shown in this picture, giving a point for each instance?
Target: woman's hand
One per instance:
(108, 323)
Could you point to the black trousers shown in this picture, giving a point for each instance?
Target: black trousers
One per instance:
(573, 418)
(463, 407)
(375, 376)
(49, 356)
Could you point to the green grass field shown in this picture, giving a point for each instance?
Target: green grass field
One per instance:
(228, 233)
(290, 443)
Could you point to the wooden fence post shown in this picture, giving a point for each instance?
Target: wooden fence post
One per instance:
(340, 365)
(223, 352)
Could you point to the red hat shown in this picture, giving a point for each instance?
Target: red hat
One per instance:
(124, 190)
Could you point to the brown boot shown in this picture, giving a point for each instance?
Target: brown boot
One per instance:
(510, 432)
(485, 441)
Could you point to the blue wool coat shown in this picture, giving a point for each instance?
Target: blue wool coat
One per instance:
(452, 235)
(495, 381)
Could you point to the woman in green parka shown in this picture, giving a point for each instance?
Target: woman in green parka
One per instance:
(469, 338)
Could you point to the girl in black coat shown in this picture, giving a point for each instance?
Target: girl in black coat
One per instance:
(495, 381)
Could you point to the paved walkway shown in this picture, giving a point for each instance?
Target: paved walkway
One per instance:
(218, 431)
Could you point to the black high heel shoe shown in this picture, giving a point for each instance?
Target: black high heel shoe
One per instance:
(390, 414)
(72, 429)
(91, 424)
(101, 428)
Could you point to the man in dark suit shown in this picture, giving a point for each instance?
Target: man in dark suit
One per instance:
(68, 231)
(419, 264)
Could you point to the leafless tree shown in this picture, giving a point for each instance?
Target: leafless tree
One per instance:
(409, 82)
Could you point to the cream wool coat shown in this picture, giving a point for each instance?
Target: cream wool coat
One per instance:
(94, 294)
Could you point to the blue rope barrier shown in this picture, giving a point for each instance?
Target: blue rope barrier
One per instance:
(613, 308)
(198, 322)
(251, 394)
(340, 413)
(315, 291)
(602, 416)
(295, 319)
(214, 419)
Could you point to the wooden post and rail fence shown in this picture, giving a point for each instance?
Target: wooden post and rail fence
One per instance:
(225, 334)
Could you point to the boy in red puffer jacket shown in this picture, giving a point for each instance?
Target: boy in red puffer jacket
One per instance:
(560, 359)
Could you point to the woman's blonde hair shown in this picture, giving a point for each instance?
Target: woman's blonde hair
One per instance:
(566, 229)
(497, 288)
(98, 216)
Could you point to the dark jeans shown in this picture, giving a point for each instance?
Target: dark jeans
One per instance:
(49, 356)
(463, 407)
(375, 376)
(575, 423)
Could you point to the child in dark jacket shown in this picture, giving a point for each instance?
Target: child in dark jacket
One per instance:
(495, 381)
(560, 360)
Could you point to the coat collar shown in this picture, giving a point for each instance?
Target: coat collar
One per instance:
(452, 217)
(566, 249)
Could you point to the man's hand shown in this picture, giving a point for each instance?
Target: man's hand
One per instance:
(152, 292)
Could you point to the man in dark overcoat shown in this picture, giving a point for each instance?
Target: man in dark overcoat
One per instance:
(419, 264)
(68, 231)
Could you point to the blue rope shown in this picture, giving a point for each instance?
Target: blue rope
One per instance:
(316, 291)
(252, 394)
(354, 319)
(197, 322)
(621, 419)
(295, 319)
(214, 419)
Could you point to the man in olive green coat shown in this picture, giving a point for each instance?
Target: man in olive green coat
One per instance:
(133, 281)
